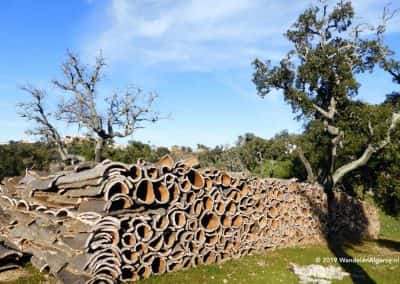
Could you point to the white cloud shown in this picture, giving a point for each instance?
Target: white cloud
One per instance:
(197, 34)
(204, 34)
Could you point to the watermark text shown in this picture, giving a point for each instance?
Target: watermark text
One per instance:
(368, 259)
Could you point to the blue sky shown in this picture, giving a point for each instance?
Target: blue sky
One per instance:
(195, 54)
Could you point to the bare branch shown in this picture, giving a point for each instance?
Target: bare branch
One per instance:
(124, 113)
(370, 128)
(81, 84)
(387, 15)
(34, 111)
(129, 111)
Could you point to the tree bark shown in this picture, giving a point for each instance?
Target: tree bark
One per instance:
(368, 152)
(307, 165)
(99, 149)
(343, 170)
(62, 151)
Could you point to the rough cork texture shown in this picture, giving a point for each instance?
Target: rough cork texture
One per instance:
(116, 222)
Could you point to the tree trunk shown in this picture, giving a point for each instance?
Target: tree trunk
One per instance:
(62, 151)
(329, 191)
(99, 149)
(307, 165)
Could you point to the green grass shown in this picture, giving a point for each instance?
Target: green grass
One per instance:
(273, 266)
(390, 226)
(270, 267)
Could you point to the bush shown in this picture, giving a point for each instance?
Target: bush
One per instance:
(15, 157)
(276, 169)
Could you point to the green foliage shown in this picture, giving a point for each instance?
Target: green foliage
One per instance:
(252, 150)
(129, 154)
(388, 193)
(83, 148)
(323, 55)
(209, 157)
(276, 169)
(16, 157)
(252, 154)
(228, 159)
(319, 79)
(382, 176)
(162, 151)
(134, 151)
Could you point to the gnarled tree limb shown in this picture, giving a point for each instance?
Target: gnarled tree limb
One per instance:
(35, 111)
(306, 164)
(368, 152)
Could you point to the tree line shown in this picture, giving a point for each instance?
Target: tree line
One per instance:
(271, 158)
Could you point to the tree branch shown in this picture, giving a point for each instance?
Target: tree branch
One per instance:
(368, 152)
(81, 83)
(35, 111)
(306, 164)
(330, 113)
(123, 114)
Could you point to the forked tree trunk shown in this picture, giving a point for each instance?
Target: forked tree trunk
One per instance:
(99, 149)
(62, 151)
(307, 165)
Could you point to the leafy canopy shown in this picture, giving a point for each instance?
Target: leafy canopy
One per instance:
(327, 54)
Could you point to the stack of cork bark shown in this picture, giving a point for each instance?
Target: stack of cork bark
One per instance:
(117, 222)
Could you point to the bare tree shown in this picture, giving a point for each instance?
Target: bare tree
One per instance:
(124, 113)
(35, 111)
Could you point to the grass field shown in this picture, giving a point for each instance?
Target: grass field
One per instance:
(273, 266)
